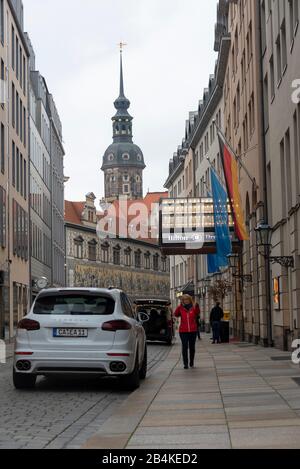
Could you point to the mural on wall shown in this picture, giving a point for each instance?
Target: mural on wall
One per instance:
(135, 284)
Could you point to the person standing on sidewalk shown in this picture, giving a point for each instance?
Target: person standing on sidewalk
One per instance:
(216, 317)
(188, 313)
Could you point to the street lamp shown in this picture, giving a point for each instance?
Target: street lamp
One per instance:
(233, 260)
(264, 240)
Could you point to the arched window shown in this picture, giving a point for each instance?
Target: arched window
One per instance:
(117, 255)
(105, 253)
(126, 156)
(111, 157)
(164, 264)
(127, 253)
(78, 242)
(138, 259)
(93, 250)
(147, 260)
(155, 262)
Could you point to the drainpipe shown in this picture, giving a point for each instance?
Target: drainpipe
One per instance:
(264, 173)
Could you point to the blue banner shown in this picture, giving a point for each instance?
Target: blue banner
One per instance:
(223, 241)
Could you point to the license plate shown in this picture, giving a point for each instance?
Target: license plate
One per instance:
(62, 332)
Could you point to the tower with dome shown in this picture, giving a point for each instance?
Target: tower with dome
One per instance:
(123, 161)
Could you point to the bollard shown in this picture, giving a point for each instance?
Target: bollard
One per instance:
(2, 352)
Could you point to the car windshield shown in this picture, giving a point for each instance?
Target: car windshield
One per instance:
(75, 304)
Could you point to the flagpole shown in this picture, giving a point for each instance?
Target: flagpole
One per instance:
(238, 158)
(217, 175)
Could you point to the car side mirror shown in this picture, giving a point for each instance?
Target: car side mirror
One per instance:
(143, 317)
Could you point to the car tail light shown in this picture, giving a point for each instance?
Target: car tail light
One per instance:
(29, 325)
(113, 326)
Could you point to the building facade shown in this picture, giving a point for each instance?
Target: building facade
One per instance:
(281, 68)
(57, 195)
(14, 169)
(135, 266)
(40, 178)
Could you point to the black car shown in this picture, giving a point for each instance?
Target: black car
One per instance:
(160, 326)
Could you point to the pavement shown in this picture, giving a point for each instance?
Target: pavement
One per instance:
(238, 396)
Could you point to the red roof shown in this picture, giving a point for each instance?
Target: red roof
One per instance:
(73, 212)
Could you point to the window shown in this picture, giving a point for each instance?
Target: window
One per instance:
(90, 216)
(147, 260)
(78, 242)
(164, 264)
(105, 253)
(21, 174)
(126, 306)
(111, 157)
(272, 77)
(20, 232)
(155, 262)
(13, 164)
(278, 52)
(17, 113)
(126, 178)
(93, 251)
(13, 105)
(266, 102)
(3, 97)
(126, 189)
(75, 304)
(117, 255)
(284, 47)
(17, 57)
(18, 171)
(2, 217)
(2, 157)
(128, 257)
(137, 259)
(139, 158)
(126, 156)
(13, 51)
(294, 17)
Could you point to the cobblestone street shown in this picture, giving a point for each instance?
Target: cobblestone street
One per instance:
(60, 413)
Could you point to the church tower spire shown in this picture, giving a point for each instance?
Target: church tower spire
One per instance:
(122, 121)
(123, 161)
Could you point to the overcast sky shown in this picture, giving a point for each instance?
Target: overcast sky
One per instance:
(167, 64)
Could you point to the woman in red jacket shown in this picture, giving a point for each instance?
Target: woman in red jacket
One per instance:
(188, 312)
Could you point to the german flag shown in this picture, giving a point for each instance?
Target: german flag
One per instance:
(232, 182)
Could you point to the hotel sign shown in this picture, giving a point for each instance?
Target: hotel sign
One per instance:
(187, 226)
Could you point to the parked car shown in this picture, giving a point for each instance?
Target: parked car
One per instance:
(81, 331)
(160, 326)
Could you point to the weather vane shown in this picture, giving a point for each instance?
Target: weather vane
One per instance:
(121, 45)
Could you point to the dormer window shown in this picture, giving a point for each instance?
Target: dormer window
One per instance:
(111, 157)
(126, 156)
(126, 178)
(91, 216)
(139, 157)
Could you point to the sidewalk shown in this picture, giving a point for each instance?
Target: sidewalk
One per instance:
(238, 396)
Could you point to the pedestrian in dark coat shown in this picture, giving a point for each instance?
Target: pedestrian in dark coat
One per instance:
(216, 317)
(189, 313)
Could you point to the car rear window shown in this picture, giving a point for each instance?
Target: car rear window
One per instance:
(75, 304)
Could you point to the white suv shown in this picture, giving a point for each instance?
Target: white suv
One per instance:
(80, 331)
